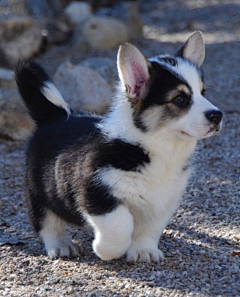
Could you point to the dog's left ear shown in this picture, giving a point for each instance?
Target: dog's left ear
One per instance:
(193, 49)
(133, 72)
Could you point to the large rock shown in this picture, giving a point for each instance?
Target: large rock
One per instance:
(83, 88)
(15, 123)
(78, 12)
(106, 67)
(127, 12)
(20, 38)
(104, 32)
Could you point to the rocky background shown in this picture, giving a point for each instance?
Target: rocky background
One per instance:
(77, 43)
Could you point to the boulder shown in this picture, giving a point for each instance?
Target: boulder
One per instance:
(104, 32)
(78, 12)
(20, 39)
(83, 88)
(15, 123)
(106, 67)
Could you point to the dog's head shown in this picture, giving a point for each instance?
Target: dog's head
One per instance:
(168, 91)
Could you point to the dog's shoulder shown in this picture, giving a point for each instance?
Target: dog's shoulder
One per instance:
(121, 155)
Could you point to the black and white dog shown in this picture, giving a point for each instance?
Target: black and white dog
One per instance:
(123, 173)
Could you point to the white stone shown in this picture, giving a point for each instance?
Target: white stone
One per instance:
(105, 32)
(83, 88)
(78, 12)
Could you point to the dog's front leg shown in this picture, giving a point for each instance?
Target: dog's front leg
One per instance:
(146, 235)
(113, 233)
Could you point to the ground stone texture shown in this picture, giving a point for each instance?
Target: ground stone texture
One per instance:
(202, 242)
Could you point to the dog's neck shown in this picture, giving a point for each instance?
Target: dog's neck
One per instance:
(119, 124)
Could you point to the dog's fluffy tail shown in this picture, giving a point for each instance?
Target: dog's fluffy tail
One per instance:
(42, 98)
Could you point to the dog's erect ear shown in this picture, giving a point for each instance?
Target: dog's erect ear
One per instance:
(193, 49)
(133, 71)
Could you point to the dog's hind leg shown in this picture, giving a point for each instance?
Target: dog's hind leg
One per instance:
(113, 233)
(56, 241)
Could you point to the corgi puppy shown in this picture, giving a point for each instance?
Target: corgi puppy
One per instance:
(123, 173)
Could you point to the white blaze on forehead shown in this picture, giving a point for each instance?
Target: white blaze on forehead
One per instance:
(190, 74)
(184, 69)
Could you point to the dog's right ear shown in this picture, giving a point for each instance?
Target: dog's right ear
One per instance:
(133, 72)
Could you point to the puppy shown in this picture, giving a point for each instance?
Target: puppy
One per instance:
(123, 173)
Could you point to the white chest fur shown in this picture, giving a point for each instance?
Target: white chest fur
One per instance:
(159, 185)
(158, 188)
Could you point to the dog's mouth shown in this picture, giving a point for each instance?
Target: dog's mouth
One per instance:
(185, 134)
(211, 130)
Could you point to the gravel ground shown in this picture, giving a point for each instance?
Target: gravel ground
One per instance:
(201, 243)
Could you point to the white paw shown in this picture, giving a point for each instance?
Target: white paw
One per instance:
(108, 250)
(148, 255)
(65, 250)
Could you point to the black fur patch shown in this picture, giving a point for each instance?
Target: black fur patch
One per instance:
(121, 155)
(98, 198)
(138, 122)
(63, 159)
(47, 145)
(162, 82)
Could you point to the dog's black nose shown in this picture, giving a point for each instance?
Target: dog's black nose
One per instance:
(214, 116)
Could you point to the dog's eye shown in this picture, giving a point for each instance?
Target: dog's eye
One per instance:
(181, 101)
